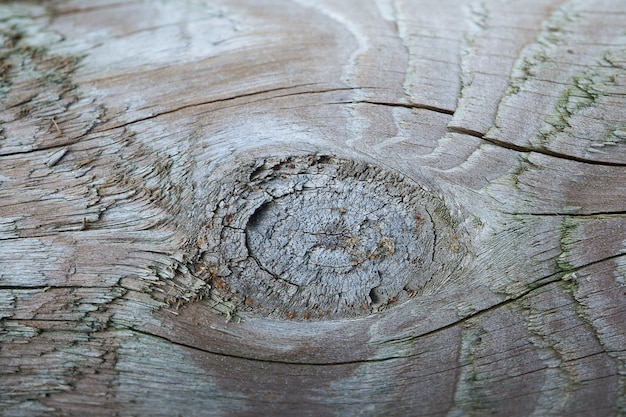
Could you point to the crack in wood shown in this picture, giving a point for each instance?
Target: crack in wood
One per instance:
(528, 149)
(545, 282)
(561, 276)
(435, 109)
(590, 215)
(233, 98)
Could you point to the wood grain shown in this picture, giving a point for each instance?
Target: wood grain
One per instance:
(146, 156)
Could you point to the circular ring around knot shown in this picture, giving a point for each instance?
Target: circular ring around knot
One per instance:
(319, 237)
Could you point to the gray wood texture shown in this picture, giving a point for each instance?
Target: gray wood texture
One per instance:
(313, 207)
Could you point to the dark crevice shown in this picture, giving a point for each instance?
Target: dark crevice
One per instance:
(54, 287)
(404, 105)
(468, 132)
(56, 145)
(517, 148)
(541, 283)
(104, 128)
(259, 216)
(41, 330)
(374, 298)
(435, 237)
(590, 264)
(227, 355)
(338, 363)
(228, 99)
(52, 233)
(263, 268)
(590, 215)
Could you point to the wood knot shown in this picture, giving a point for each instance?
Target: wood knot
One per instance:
(319, 237)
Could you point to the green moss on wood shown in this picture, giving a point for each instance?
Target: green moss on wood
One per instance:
(579, 95)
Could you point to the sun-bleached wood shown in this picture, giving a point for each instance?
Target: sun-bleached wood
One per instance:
(313, 207)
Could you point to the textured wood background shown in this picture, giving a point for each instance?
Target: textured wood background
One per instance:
(130, 129)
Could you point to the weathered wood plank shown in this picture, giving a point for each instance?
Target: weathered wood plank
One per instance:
(458, 163)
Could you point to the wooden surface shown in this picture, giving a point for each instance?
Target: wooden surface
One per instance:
(243, 207)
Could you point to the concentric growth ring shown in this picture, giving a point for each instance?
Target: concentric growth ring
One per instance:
(320, 237)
